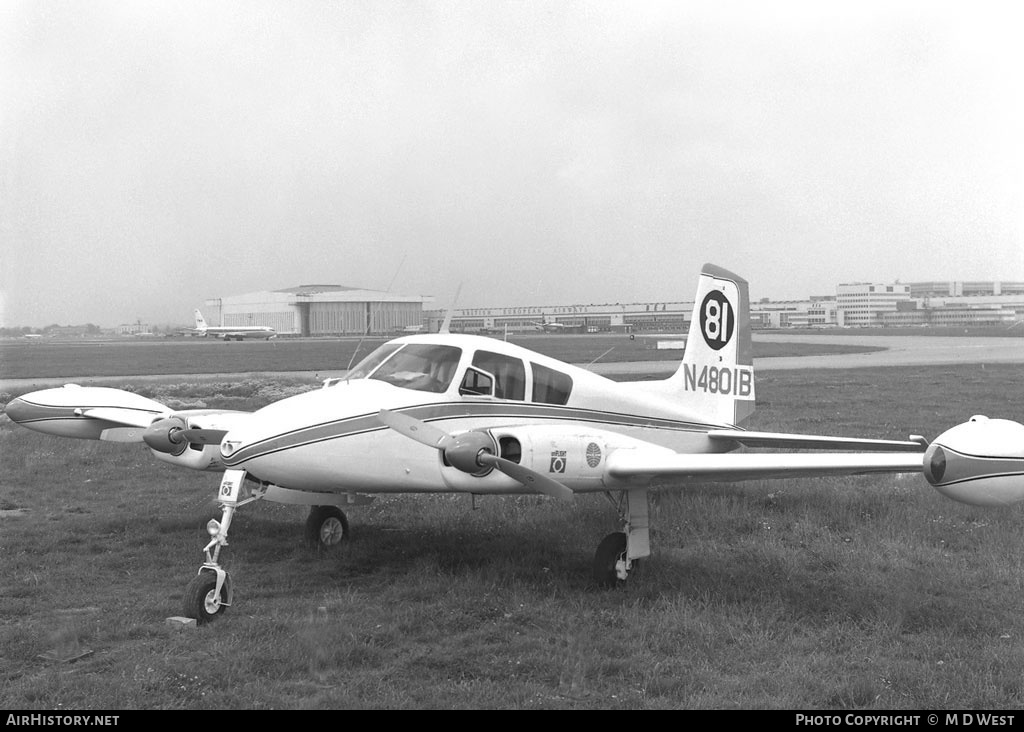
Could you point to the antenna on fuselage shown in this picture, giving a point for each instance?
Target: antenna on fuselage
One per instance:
(601, 356)
(446, 325)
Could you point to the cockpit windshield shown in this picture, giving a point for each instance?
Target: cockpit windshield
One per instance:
(368, 364)
(419, 366)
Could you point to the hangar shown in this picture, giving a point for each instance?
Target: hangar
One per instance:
(320, 310)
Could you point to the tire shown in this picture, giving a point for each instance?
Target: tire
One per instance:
(199, 602)
(326, 527)
(609, 551)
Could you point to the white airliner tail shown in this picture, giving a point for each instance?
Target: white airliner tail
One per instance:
(200, 320)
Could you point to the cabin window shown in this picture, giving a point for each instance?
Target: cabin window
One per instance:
(509, 374)
(550, 386)
(420, 366)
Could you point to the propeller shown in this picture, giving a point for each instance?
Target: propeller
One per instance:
(201, 436)
(471, 452)
(172, 434)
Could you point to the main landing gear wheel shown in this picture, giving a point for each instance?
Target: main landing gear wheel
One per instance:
(200, 600)
(326, 527)
(610, 551)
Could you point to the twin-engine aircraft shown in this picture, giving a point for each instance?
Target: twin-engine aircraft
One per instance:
(229, 332)
(469, 414)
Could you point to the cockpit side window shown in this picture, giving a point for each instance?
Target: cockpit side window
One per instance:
(476, 383)
(550, 386)
(509, 374)
(420, 366)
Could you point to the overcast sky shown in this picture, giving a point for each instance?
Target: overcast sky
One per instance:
(156, 154)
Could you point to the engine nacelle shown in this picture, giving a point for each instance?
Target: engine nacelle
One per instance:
(168, 441)
(573, 457)
(194, 457)
(164, 436)
(980, 462)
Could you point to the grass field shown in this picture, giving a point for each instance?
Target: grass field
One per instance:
(855, 593)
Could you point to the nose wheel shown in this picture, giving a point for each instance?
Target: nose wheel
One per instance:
(207, 596)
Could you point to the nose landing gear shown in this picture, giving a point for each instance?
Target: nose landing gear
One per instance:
(210, 593)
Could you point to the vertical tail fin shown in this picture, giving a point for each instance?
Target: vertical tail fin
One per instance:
(200, 321)
(716, 376)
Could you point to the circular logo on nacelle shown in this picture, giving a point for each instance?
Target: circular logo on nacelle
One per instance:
(717, 320)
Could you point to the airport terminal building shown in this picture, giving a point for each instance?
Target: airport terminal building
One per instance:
(860, 304)
(617, 317)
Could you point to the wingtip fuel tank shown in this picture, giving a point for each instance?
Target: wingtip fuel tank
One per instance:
(979, 462)
(82, 412)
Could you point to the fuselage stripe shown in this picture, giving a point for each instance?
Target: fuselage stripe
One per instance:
(973, 478)
(32, 412)
(434, 412)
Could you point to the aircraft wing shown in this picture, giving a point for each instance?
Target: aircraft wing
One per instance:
(711, 467)
(584, 459)
(816, 442)
(865, 456)
(116, 415)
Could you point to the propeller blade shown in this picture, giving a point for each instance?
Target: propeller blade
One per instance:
(423, 433)
(203, 436)
(529, 478)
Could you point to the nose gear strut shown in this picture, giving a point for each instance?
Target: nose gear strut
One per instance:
(209, 593)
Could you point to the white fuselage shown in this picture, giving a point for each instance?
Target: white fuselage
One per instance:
(332, 440)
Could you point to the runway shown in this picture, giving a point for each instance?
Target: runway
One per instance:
(899, 351)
